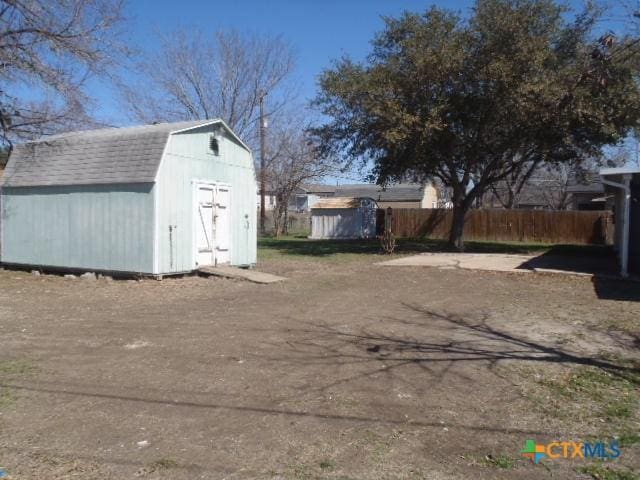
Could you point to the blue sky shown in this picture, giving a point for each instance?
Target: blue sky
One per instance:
(319, 30)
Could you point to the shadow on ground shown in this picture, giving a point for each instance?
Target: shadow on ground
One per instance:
(608, 288)
(247, 409)
(435, 351)
(442, 339)
(601, 262)
(594, 260)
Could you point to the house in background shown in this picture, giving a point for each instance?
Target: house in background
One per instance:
(589, 195)
(537, 194)
(303, 199)
(402, 195)
(528, 199)
(624, 185)
(269, 198)
(155, 199)
(309, 194)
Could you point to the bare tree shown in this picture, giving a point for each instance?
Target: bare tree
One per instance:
(296, 162)
(197, 76)
(552, 181)
(48, 50)
(508, 190)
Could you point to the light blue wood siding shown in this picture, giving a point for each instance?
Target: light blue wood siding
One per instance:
(93, 227)
(187, 159)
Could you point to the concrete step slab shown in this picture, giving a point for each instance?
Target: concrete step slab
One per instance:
(240, 274)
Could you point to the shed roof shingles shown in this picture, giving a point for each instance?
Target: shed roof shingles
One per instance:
(318, 188)
(115, 155)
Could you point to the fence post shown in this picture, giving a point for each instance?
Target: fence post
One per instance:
(388, 219)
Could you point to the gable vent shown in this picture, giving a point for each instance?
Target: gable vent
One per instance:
(214, 145)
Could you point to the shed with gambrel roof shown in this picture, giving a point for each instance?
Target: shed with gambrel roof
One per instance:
(154, 199)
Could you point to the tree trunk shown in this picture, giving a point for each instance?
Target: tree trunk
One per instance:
(277, 218)
(276, 221)
(285, 228)
(511, 200)
(462, 202)
(456, 240)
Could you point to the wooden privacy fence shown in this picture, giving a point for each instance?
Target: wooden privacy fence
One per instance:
(570, 227)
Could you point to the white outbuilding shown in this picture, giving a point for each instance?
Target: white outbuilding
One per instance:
(154, 199)
(343, 218)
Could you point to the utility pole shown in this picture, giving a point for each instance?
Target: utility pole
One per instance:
(263, 181)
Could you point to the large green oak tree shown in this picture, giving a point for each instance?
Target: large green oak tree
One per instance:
(471, 100)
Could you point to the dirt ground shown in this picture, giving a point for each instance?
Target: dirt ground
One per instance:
(345, 371)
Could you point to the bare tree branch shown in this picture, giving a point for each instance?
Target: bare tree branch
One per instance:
(296, 162)
(53, 47)
(195, 76)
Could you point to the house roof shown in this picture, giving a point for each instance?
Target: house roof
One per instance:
(337, 202)
(318, 188)
(591, 183)
(110, 155)
(595, 188)
(532, 197)
(402, 192)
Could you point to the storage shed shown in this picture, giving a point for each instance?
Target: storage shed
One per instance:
(343, 218)
(624, 184)
(155, 199)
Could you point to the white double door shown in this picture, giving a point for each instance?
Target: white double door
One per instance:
(213, 224)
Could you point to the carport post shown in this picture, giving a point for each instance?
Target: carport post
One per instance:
(627, 221)
(626, 217)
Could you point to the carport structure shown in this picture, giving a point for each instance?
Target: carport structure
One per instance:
(624, 183)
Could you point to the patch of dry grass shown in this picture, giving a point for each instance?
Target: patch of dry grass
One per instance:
(587, 394)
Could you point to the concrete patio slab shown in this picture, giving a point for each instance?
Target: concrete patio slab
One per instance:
(549, 263)
(472, 261)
